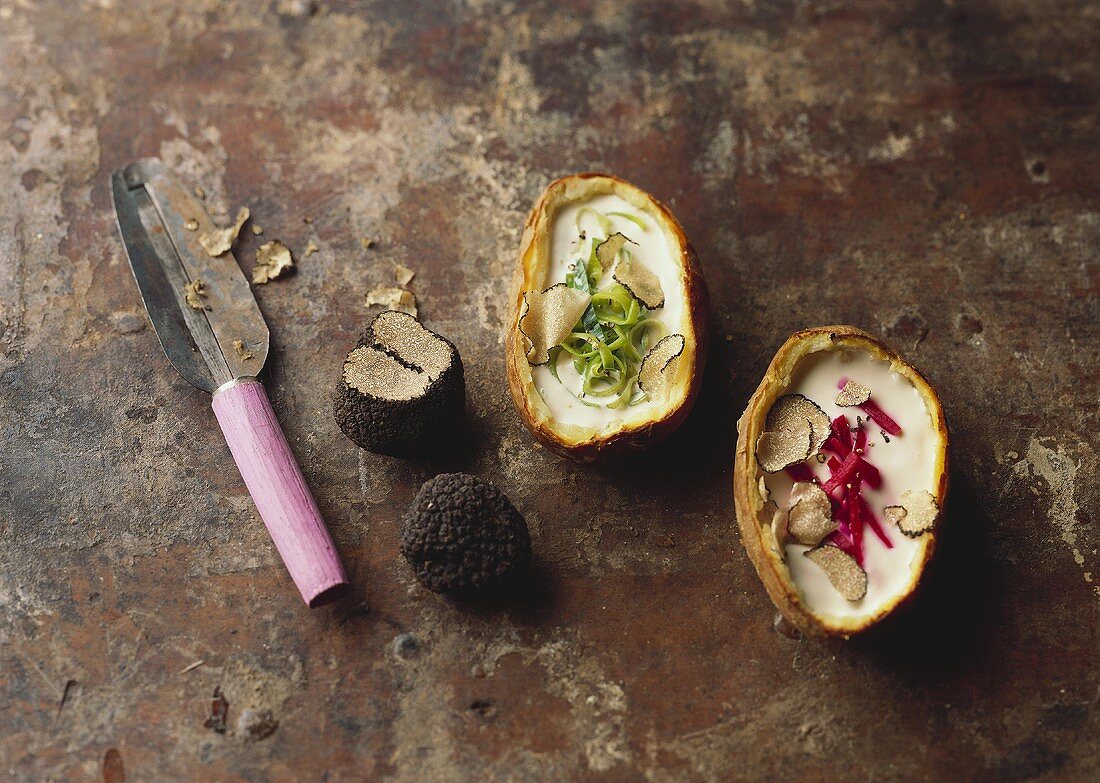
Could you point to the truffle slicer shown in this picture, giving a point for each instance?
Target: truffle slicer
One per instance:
(213, 333)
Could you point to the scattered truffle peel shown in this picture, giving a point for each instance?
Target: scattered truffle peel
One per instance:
(220, 240)
(272, 260)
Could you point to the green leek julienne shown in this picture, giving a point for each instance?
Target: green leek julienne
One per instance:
(615, 332)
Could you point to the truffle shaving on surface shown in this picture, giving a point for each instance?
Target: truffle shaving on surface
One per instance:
(844, 573)
(194, 293)
(810, 517)
(403, 275)
(853, 394)
(392, 298)
(220, 240)
(777, 450)
(272, 260)
(608, 250)
(916, 515)
(790, 410)
(640, 281)
(548, 318)
(659, 365)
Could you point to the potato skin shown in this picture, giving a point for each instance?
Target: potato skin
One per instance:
(769, 565)
(630, 439)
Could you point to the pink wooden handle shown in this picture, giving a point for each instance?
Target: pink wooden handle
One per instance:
(276, 484)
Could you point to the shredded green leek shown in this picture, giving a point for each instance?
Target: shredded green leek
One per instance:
(632, 218)
(613, 334)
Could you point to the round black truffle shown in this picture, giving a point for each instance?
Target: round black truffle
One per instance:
(399, 386)
(462, 535)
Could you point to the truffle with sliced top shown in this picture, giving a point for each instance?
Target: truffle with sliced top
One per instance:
(399, 386)
(462, 535)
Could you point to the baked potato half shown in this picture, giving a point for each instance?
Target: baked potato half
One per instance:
(607, 337)
(840, 480)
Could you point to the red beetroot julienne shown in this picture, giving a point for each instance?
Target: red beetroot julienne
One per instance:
(877, 414)
(844, 472)
(800, 471)
(855, 518)
(872, 522)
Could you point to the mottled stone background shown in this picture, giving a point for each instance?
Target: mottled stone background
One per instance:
(926, 170)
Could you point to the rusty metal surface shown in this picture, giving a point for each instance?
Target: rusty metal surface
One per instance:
(925, 170)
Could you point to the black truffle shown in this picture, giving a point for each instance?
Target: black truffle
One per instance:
(462, 535)
(399, 385)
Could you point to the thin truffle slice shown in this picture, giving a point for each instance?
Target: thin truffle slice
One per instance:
(788, 412)
(810, 517)
(400, 384)
(777, 450)
(916, 515)
(853, 393)
(640, 281)
(549, 317)
(608, 250)
(658, 365)
(842, 569)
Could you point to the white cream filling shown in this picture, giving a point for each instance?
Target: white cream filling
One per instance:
(906, 462)
(653, 249)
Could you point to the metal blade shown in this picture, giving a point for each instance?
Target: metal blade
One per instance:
(154, 210)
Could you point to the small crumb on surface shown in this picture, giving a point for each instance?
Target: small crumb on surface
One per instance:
(272, 260)
(367, 243)
(194, 293)
(392, 298)
(220, 240)
(403, 275)
(311, 248)
(242, 352)
(257, 229)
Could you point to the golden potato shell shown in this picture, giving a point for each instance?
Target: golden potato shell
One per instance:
(754, 520)
(574, 441)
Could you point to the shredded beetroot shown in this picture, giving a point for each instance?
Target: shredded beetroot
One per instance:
(842, 433)
(855, 519)
(843, 473)
(872, 522)
(881, 419)
(800, 472)
(870, 474)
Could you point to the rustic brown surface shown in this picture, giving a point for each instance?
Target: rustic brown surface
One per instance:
(924, 170)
